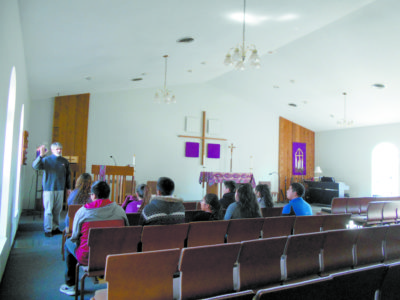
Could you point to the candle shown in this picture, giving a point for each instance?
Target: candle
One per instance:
(251, 162)
(134, 160)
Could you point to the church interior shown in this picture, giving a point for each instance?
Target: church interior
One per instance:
(151, 85)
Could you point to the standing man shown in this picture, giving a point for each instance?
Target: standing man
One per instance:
(296, 204)
(56, 179)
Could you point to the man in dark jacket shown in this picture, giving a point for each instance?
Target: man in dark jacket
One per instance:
(164, 208)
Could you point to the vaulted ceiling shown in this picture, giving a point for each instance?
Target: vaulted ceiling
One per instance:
(311, 52)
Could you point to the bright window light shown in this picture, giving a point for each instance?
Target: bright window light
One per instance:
(6, 182)
(20, 162)
(385, 170)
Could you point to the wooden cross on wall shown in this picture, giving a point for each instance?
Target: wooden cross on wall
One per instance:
(203, 138)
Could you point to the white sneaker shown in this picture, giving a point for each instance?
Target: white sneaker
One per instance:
(68, 290)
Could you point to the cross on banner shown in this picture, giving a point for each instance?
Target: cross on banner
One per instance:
(231, 147)
(203, 137)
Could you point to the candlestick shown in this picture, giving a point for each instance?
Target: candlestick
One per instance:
(134, 160)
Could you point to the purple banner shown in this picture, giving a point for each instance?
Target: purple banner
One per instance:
(213, 150)
(192, 149)
(299, 159)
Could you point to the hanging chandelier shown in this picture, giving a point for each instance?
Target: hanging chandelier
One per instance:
(345, 122)
(242, 54)
(164, 94)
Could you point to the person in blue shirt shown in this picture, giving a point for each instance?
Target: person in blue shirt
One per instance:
(296, 204)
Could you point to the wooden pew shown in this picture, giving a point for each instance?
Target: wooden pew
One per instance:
(244, 229)
(302, 255)
(271, 212)
(259, 263)
(278, 226)
(103, 241)
(338, 249)
(207, 233)
(370, 245)
(159, 237)
(145, 276)
(133, 218)
(190, 205)
(67, 232)
(262, 257)
(307, 224)
(207, 271)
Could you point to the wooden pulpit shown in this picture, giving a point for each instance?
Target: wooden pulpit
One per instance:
(116, 177)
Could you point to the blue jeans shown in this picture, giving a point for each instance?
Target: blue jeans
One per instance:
(70, 262)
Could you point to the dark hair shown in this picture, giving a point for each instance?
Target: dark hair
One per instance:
(247, 201)
(83, 184)
(140, 190)
(265, 193)
(101, 189)
(166, 186)
(298, 188)
(230, 185)
(215, 206)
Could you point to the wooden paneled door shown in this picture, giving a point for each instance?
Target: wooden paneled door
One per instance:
(289, 133)
(70, 125)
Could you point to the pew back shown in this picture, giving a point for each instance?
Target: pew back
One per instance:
(159, 237)
(151, 272)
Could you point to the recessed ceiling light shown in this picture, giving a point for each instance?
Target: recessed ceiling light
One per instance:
(137, 79)
(379, 85)
(187, 39)
(292, 104)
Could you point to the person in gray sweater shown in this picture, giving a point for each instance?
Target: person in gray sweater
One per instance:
(163, 208)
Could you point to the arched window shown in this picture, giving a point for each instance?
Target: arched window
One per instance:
(20, 162)
(385, 170)
(7, 158)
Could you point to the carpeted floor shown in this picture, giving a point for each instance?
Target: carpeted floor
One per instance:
(35, 269)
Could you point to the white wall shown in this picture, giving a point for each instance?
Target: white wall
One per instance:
(126, 123)
(346, 154)
(11, 54)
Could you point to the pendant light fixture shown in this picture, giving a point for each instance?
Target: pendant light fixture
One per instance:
(242, 55)
(345, 122)
(163, 94)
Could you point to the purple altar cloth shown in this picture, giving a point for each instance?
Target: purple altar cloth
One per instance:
(218, 177)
